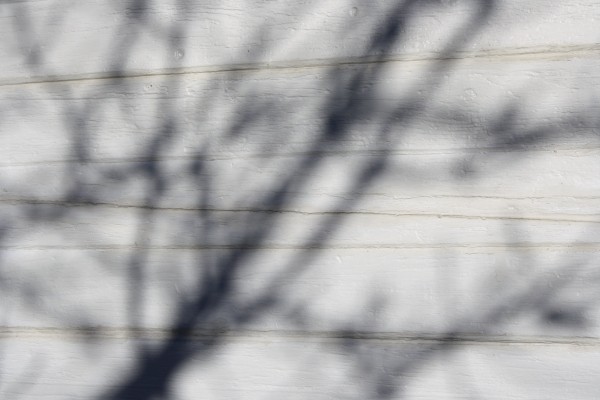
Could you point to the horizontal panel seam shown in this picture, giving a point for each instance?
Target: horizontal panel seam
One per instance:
(344, 153)
(576, 245)
(20, 202)
(199, 334)
(509, 53)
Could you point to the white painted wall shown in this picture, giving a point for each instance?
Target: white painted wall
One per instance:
(329, 200)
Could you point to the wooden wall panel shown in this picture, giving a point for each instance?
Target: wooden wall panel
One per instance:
(320, 199)
(459, 106)
(559, 185)
(320, 368)
(540, 291)
(251, 136)
(58, 39)
(101, 227)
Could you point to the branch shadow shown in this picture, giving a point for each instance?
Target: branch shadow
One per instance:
(226, 235)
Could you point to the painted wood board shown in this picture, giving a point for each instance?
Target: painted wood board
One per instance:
(59, 39)
(49, 225)
(536, 184)
(514, 292)
(257, 368)
(465, 106)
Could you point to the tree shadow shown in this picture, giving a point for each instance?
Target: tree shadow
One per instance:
(226, 230)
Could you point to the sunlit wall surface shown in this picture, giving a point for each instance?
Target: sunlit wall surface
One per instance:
(308, 199)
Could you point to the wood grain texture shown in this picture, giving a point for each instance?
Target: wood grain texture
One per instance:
(56, 39)
(271, 367)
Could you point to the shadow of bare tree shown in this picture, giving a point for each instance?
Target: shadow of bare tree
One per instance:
(203, 209)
